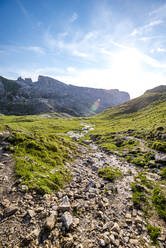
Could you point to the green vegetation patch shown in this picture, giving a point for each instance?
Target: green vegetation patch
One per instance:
(159, 146)
(110, 173)
(40, 160)
(153, 232)
(144, 181)
(139, 196)
(41, 147)
(163, 173)
(118, 129)
(159, 201)
(116, 142)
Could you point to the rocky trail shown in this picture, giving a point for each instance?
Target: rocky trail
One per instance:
(88, 212)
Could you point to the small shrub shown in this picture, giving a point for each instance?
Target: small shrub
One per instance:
(144, 180)
(138, 161)
(153, 232)
(159, 146)
(159, 201)
(110, 173)
(163, 173)
(138, 194)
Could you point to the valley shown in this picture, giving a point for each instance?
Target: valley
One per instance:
(82, 182)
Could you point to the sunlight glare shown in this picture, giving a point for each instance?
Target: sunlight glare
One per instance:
(126, 64)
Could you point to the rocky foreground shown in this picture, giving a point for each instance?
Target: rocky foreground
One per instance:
(89, 212)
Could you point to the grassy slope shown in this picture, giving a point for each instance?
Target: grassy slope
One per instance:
(41, 146)
(139, 118)
(40, 149)
(134, 131)
(143, 114)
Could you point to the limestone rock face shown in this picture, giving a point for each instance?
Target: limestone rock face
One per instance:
(50, 95)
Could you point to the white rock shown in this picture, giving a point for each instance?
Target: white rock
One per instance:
(65, 204)
(50, 222)
(67, 220)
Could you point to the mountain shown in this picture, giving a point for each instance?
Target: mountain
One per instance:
(22, 96)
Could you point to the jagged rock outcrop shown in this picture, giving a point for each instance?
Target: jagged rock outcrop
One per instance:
(49, 95)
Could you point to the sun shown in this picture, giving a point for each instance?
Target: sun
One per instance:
(126, 64)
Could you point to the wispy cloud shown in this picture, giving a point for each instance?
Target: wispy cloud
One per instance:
(146, 27)
(158, 49)
(35, 49)
(159, 12)
(74, 17)
(24, 11)
(71, 69)
(161, 50)
(79, 45)
(18, 49)
(148, 38)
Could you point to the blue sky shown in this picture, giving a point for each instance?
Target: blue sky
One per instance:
(96, 43)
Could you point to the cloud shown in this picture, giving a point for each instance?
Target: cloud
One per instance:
(79, 45)
(79, 54)
(146, 27)
(149, 38)
(24, 11)
(18, 49)
(161, 49)
(71, 69)
(158, 49)
(159, 12)
(35, 49)
(74, 17)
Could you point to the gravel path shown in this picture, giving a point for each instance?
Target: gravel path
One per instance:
(89, 212)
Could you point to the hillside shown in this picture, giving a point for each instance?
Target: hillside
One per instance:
(49, 95)
(83, 182)
(141, 118)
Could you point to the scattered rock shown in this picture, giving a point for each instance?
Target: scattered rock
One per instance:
(5, 203)
(10, 211)
(31, 213)
(76, 222)
(50, 222)
(116, 228)
(102, 243)
(134, 241)
(160, 158)
(67, 220)
(65, 204)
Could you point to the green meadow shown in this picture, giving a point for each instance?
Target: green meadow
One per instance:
(41, 146)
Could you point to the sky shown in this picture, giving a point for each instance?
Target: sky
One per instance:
(110, 44)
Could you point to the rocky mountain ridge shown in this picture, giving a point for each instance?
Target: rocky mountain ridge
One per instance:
(49, 95)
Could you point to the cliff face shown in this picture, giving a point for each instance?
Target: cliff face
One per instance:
(49, 95)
